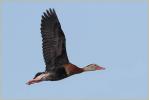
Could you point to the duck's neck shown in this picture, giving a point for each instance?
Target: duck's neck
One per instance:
(77, 70)
(73, 69)
(87, 68)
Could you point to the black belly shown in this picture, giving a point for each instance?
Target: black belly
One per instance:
(57, 74)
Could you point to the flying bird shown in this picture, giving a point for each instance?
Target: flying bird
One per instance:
(55, 56)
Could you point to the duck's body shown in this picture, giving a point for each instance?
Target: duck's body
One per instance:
(62, 72)
(55, 56)
(56, 74)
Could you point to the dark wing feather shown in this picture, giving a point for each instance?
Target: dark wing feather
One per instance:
(54, 50)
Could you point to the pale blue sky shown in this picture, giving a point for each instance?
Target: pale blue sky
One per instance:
(113, 35)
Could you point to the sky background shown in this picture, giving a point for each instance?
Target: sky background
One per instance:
(111, 34)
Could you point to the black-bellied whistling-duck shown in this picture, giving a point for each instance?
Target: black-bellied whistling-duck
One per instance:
(54, 52)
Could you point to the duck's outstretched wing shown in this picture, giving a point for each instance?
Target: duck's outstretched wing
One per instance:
(53, 38)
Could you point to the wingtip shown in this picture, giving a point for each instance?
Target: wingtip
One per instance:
(47, 10)
(50, 10)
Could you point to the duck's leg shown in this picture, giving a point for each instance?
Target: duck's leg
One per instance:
(33, 81)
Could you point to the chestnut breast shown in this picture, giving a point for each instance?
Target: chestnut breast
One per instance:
(72, 69)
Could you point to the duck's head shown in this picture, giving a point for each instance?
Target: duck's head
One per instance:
(39, 77)
(93, 67)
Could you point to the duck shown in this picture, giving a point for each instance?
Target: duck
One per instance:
(57, 64)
